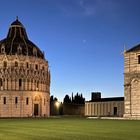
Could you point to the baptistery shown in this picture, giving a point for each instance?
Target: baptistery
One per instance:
(24, 76)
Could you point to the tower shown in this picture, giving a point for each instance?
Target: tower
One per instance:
(24, 76)
(132, 82)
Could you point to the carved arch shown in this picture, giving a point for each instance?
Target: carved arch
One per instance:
(135, 80)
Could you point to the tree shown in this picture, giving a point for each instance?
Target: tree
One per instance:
(67, 99)
(72, 97)
(52, 99)
(78, 99)
(53, 108)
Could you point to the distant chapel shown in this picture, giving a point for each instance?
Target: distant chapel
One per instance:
(24, 76)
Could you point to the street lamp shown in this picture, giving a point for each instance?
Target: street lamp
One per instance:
(57, 104)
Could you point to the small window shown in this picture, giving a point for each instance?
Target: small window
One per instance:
(0, 82)
(36, 67)
(37, 85)
(20, 82)
(5, 64)
(16, 64)
(138, 59)
(19, 49)
(2, 49)
(4, 100)
(27, 101)
(27, 65)
(16, 100)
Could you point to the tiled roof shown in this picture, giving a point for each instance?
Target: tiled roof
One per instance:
(135, 48)
(108, 99)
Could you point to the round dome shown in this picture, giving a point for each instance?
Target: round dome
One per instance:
(17, 22)
(17, 42)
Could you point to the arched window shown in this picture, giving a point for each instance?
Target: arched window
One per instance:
(20, 82)
(138, 59)
(3, 49)
(16, 64)
(32, 84)
(19, 50)
(4, 100)
(1, 82)
(27, 101)
(27, 65)
(16, 100)
(4, 64)
(36, 67)
(37, 85)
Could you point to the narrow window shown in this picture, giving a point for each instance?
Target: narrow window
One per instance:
(27, 101)
(36, 67)
(19, 50)
(27, 71)
(0, 82)
(16, 100)
(4, 100)
(32, 82)
(2, 50)
(138, 59)
(5, 64)
(3, 84)
(16, 64)
(20, 82)
(27, 64)
(37, 85)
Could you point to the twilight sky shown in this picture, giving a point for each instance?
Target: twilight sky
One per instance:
(83, 40)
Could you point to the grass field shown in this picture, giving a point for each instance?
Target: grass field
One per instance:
(68, 129)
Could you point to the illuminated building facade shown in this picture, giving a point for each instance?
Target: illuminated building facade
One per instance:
(24, 76)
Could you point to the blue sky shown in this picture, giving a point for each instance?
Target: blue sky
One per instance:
(83, 40)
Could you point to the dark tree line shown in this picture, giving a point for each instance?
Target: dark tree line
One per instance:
(53, 99)
(77, 99)
(70, 105)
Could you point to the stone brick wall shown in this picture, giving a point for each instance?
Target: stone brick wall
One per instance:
(132, 84)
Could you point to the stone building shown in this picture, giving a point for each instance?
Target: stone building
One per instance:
(132, 82)
(98, 106)
(24, 76)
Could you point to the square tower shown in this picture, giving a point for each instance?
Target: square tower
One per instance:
(132, 82)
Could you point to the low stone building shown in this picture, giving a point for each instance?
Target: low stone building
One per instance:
(24, 76)
(98, 106)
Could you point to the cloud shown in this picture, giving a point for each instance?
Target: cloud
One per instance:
(85, 7)
(88, 7)
(84, 41)
(76, 7)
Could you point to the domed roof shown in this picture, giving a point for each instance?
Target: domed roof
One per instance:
(17, 42)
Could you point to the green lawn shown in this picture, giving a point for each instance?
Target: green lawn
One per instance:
(68, 129)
